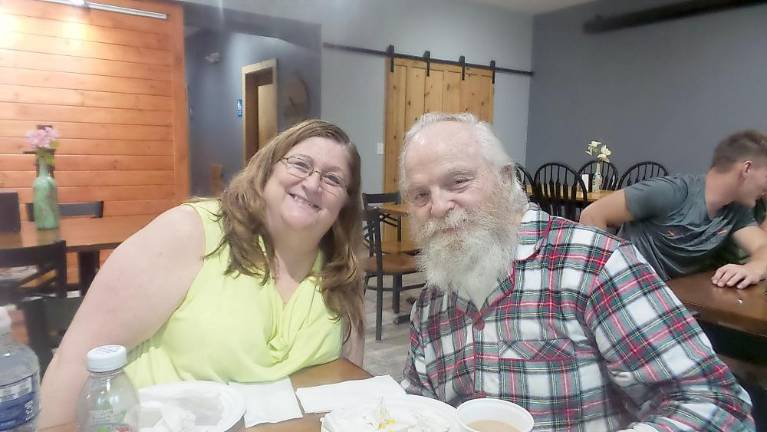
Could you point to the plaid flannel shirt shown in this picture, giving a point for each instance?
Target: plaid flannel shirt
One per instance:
(583, 334)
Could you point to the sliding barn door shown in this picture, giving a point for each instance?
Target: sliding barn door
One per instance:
(410, 92)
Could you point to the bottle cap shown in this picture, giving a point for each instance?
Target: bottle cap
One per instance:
(107, 358)
(5, 321)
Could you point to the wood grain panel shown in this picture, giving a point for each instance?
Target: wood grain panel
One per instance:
(86, 32)
(485, 95)
(135, 207)
(22, 179)
(22, 162)
(469, 94)
(93, 147)
(16, 128)
(81, 15)
(59, 113)
(433, 92)
(105, 193)
(452, 92)
(83, 82)
(56, 96)
(64, 63)
(414, 99)
(81, 48)
(396, 83)
(181, 130)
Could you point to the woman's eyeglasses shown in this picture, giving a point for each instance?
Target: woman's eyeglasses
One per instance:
(299, 167)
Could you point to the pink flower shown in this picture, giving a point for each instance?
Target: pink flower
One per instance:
(43, 139)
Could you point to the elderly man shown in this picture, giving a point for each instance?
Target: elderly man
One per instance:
(562, 319)
(679, 223)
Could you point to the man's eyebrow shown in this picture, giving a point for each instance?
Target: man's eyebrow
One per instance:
(461, 171)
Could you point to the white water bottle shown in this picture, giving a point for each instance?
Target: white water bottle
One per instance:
(19, 381)
(108, 401)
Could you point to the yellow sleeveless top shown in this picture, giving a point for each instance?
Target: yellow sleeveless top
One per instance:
(234, 328)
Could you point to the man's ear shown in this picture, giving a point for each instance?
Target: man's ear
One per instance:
(746, 167)
(508, 172)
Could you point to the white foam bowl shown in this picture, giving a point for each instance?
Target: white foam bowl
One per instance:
(494, 409)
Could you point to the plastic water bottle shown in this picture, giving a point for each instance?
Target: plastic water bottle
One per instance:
(108, 401)
(19, 381)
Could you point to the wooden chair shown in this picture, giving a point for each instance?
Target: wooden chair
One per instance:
(525, 181)
(642, 171)
(746, 356)
(10, 220)
(390, 246)
(93, 209)
(607, 169)
(42, 268)
(560, 190)
(46, 320)
(379, 264)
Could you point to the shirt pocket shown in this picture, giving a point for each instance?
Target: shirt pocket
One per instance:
(543, 376)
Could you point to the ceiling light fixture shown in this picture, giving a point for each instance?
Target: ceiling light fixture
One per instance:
(126, 10)
(111, 8)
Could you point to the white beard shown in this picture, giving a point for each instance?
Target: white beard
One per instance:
(472, 259)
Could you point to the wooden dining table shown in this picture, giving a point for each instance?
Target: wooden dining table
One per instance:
(84, 236)
(329, 373)
(744, 310)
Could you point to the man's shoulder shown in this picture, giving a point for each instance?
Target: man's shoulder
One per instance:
(576, 236)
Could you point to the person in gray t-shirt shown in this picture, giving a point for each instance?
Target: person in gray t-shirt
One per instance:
(679, 222)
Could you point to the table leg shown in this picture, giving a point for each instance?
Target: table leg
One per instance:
(88, 263)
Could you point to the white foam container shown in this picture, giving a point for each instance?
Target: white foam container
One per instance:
(494, 409)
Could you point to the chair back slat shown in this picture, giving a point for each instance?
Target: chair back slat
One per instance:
(642, 171)
(608, 171)
(10, 220)
(93, 209)
(525, 180)
(559, 190)
(46, 258)
(373, 200)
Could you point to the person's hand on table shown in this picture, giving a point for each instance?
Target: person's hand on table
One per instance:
(736, 275)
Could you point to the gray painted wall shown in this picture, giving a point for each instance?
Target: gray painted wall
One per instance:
(667, 92)
(353, 84)
(215, 132)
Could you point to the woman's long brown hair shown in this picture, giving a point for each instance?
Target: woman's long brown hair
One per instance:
(243, 218)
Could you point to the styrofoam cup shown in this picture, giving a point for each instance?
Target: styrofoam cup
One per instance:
(494, 409)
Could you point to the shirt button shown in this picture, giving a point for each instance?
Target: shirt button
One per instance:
(479, 324)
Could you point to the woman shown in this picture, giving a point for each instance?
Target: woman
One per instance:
(251, 287)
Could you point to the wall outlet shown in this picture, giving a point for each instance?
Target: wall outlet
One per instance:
(380, 148)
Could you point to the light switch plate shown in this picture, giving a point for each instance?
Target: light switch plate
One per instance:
(380, 148)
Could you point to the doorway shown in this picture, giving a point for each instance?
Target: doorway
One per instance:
(259, 105)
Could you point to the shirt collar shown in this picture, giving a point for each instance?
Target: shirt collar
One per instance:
(533, 229)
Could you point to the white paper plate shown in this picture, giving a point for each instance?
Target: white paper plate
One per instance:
(227, 408)
(409, 403)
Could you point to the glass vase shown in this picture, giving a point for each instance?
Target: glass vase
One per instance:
(45, 200)
(596, 179)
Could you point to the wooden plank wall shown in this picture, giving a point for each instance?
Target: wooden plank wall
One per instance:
(113, 86)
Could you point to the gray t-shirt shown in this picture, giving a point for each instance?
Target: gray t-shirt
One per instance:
(671, 226)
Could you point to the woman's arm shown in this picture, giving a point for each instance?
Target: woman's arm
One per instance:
(132, 296)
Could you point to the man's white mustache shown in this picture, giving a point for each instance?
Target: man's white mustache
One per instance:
(457, 218)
